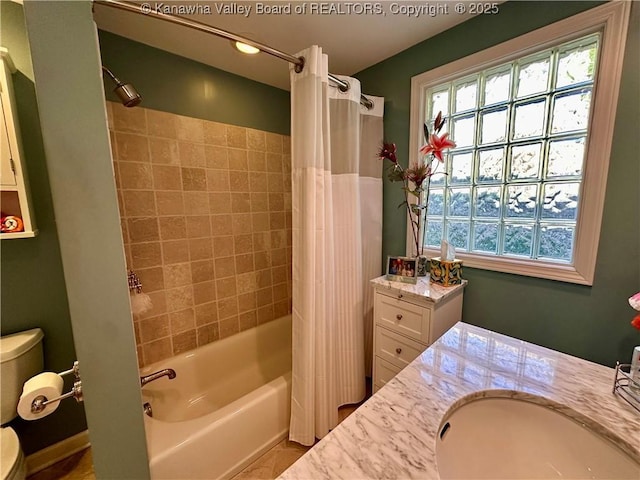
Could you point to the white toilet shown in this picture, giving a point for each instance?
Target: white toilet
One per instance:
(20, 359)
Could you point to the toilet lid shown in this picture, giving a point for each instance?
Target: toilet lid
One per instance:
(10, 451)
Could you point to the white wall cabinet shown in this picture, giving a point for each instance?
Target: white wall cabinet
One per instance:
(407, 319)
(15, 206)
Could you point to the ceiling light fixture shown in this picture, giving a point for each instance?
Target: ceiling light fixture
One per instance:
(248, 49)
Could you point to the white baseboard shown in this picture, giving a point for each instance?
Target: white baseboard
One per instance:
(58, 451)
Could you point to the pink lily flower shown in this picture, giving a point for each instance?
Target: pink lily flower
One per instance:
(436, 145)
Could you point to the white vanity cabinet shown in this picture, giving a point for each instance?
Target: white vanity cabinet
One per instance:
(15, 207)
(407, 319)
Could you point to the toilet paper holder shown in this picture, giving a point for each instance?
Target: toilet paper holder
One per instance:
(39, 403)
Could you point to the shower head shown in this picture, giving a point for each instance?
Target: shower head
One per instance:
(126, 92)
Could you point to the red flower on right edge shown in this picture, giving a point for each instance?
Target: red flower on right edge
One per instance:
(636, 322)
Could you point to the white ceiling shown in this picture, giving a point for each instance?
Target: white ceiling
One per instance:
(352, 41)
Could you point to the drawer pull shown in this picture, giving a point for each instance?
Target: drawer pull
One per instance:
(399, 316)
(398, 350)
(399, 295)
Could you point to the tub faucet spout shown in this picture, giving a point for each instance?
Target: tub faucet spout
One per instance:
(167, 372)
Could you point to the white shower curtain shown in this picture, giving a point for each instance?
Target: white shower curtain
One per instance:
(337, 242)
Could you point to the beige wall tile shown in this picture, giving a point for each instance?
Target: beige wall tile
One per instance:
(161, 124)
(154, 328)
(244, 263)
(286, 165)
(278, 239)
(246, 283)
(238, 159)
(194, 179)
(263, 278)
(241, 223)
(135, 176)
(248, 320)
(277, 221)
(179, 298)
(156, 351)
(146, 255)
(175, 251)
(228, 327)
(243, 243)
(177, 275)
(280, 292)
(129, 119)
(279, 274)
(167, 177)
(281, 309)
(204, 292)
(184, 342)
(189, 129)
(225, 288)
(220, 202)
(132, 148)
(191, 154)
(138, 203)
(279, 257)
(164, 152)
(206, 313)
(215, 133)
(265, 314)
(262, 260)
(173, 228)
(275, 182)
(287, 183)
(109, 106)
(196, 203)
(222, 225)
(274, 142)
(225, 267)
(152, 279)
(198, 226)
(158, 305)
(222, 246)
(207, 334)
(260, 222)
(274, 163)
(240, 203)
(259, 202)
(216, 157)
(261, 241)
(227, 308)
(170, 203)
(200, 249)
(246, 302)
(276, 202)
(182, 320)
(236, 136)
(257, 161)
(202, 271)
(264, 297)
(258, 183)
(143, 229)
(286, 144)
(218, 180)
(238, 181)
(256, 140)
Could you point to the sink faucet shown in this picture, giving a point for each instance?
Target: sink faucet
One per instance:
(167, 372)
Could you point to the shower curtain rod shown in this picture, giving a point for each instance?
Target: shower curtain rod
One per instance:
(150, 12)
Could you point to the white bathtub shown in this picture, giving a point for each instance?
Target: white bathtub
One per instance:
(229, 403)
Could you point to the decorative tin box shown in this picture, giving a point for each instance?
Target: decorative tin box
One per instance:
(445, 272)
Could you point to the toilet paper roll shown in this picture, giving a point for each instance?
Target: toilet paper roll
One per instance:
(48, 385)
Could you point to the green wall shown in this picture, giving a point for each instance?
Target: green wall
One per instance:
(178, 85)
(33, 288)
(589, 322)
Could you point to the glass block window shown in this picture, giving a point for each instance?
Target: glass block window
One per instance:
(513, 183)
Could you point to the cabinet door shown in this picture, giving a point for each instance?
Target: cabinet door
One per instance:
(7, 175)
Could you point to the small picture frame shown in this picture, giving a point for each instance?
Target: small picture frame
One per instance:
(402, 269)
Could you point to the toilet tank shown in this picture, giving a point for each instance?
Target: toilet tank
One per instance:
(20, 359)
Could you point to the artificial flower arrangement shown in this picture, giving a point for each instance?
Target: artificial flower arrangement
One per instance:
(417, 178)
(634, 301)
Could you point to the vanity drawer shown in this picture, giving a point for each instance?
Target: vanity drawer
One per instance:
(403, 317)
(396, 349)
(385, 371)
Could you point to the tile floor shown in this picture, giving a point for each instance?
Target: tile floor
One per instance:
(79, 466)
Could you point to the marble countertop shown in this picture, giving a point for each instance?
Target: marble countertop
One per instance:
(393, 435)
(424, 289)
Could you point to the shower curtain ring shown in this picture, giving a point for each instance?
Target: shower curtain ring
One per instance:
(299, 66)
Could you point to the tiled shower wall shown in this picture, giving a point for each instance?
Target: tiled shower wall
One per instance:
(206, 220)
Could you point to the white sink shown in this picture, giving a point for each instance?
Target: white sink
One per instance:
(494, 438)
